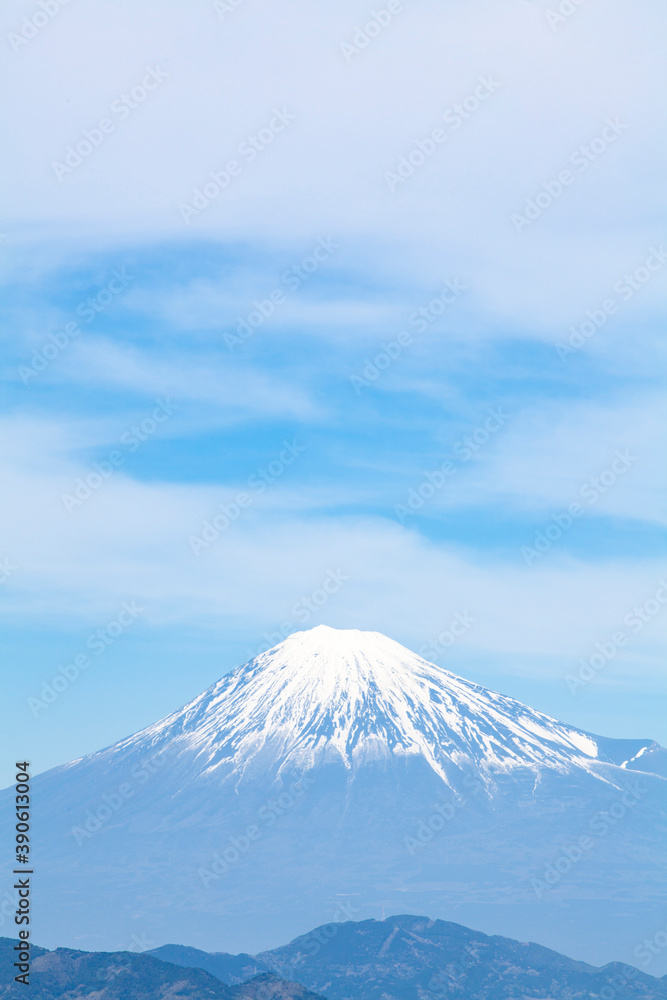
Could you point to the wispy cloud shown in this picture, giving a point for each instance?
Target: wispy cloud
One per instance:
(160, 339)
(326, 174)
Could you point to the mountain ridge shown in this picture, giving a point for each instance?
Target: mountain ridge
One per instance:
(401, 957)
(69, 974)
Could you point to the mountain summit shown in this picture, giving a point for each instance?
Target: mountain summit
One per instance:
(338, 774)
(344, 696)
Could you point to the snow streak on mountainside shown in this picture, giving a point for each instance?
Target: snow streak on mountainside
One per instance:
(329, 696)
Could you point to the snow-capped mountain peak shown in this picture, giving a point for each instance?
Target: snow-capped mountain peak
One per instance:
(339, 762)
(347, 696)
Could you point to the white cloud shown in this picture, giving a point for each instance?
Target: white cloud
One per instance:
(204, 306)
(325, 174)
(544, 456)
(220, 381)
(353, 122)
(130, 540)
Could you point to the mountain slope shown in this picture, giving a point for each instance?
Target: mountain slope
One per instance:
(339, 773)
(74, 975)
(65, 974)
(230, 969)
(343, 696)
(404, 957)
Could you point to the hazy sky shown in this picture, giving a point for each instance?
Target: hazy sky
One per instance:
(379, 288)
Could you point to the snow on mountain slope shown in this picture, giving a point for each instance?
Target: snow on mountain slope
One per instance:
(328, 695)
(339, 765)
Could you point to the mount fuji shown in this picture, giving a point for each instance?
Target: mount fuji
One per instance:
(339, 775)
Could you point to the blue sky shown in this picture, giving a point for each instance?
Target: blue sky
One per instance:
(310, 438)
